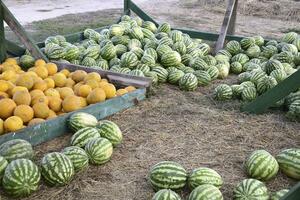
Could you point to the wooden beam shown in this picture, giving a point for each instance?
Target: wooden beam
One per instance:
(2, 36)
(13, 49)
(293, 194)
(17, 28)
(228, 24)
(141, 13)
(263, 102)
(126, 7)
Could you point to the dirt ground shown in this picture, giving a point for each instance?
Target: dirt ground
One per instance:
(187, 127)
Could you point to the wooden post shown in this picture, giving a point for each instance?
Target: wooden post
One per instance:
(2, 37)
(126, 7)
(228, 25)
(17, 28)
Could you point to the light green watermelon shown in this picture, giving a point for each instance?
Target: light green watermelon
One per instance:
(77, 155)
(206, 192)
(188, 82)
(279, 194)
(204, 175)
(223, 92)
(250, 189)
(110, 131)
(15, 149)
(289, 162)
(81, 120)
(99, 150)
(166, 194)
(83, 136)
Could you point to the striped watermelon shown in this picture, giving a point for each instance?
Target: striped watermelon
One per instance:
(289, 162)
(120, 40)
(292, 97)
(284, 57)
(114, 61)
(289, 37)
(187, 69)
(116, 30)
(168, 175)
(233, 47)
(223, 92)
(171, 69)
(198, 64)
(170, 59)
(247, 42)
(138, 52)
(89, 62)
(52, 40)
(223, 70)
(152, 52)
(250, 66)
(102, 64)
(92, 51)
(129, 60)
(108, 51)
(188, 82)
(176, 36)
(213, 72)
(279, 194)
(57, 169)
(204, 175)
(175, 76)
(203, 77)
(166, 41)
(124, 70)
(294, 110)
(290, 48)
(136, 33)
(83, 136)
(164, 27)
(253, 51)
(72, 53)
(99, 150)
(110, 131)
(153, 76)
(256, 75)
(272, 42)
(81, 120)
(206, 192)
(250, 189)
(162, 49)
(120, 49)
(150, 26)
(143, 67)
(265, 84)
(180, 48)
(237, 90)
(297, 43)
(77, 155)
(27, 61)
(241, 58)
(3, 165)
(269, 50)
(134, 43)
(148, 59)
(245, 76)
(249, 94)
(15, 149)
(148, 34)
(259, 40)
(162, 74)
(21, 178)
(166, 194)
(279, 75)
(247, 84)
(136, 72)
(54, 51)
(236, 67)
(261, 165)
(210, 60)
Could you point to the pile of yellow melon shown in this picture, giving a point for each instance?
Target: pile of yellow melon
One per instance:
(41, 93)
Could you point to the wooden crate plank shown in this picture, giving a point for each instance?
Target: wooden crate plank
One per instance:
(126, 9)
(2, 36)
(56, 127)
(228, 24)
(141, 13)
(263, 102)
(13, 49)
(16, 27)
(293, 194)
(123, 79)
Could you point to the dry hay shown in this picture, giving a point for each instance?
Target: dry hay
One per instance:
(187, 127)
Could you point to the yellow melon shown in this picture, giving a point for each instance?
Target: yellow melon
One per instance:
(1, 126)
(25, 112)
(110, 90)
(40, 99)
(35, 121)
(52, 68)
(22, 98)
(59, 79)
(8, 75)
(40, 62)
(52, 115)
(25, 80)
(76, 88)
(41, 110)
(92, 83)
(92, 76)
(50, 82)
(121, 92)
(55, 103)
(9, 66)
(65, 72)
(3, 86)
(65, 92)
(104, 80)
(18, 88)
(71, 103)
(51, 92)
(78, 75)
(11, 60)
(102, 84)
(3, 95)
(41, 72)
(130, 88)
(70, 83)
(97, 95)
(84, 90)
(40, 85)
(10, 88)
(35, 93)
(13, 123)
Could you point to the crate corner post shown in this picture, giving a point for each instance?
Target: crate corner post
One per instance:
(2, 36)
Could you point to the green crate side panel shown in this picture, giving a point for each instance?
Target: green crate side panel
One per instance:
(293, 194)
(57, 127)
(263, 102)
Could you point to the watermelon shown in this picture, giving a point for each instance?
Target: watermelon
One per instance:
(237, 90)
(81, 120)
(175, 76)
(294, 110)
(241, 58)
(289, 37)
(272, 42)
(162, 49)
(136, 33)
(253, 51)
(152, 52)
(148, 34)
(83, 136)
(250, 66)
(261, 165)
(249, 94)
(153, 76)
(54, 51)
(250, 189)
(172, 69)
(245, 76)
(21, 178)
(129, 60)
(205, 48)
(72, 53)
(15, 149)
(164, 27)
(297, 43)
(247, 42)
(143, 67)
(116, 30)
(26, 61)
(77, 155)
(167, 175)
(108, 51)
(138, 52)
(259, 40)
(289, 162)
(198, 64)
(236, 67)
(176, 36)
(290, 48)
(110, 131)
(114, 61)
(180, 48)
(99, 150)
(292, 97)
(120, 49)
(3, 165)
(136, 72)
(203, 77)
(225, 53)
(223, 92)
(148, 59)
(206, 192)
(265, 84)
(51, 40)
(233, 47)
(257, 75)
(162, 74)
(204, 175)
(89, 62)
(102, 64)
(170, 58)
(279, 75)
(188, 82)
(150, 26)
(213, 71)
(57, 169)
(210, 60)
(279, 194)
(247, 84)
(134, 43)
(223, 70)
(166, 194)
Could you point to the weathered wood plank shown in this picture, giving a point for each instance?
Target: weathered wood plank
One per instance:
(263, 102)
(57, 127)
(2, 36)
(228, 24)
(13, 49)
(115, 77)
(126, 10)
(293, 194)
(16, 27)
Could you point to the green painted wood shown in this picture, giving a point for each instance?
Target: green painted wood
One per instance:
(2, 36)
(13, 49)
(141, 13)
(126, 9)
(293, 194)
(57, 127)
(263, 102)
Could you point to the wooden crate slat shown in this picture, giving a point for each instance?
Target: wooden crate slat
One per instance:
(2, 36)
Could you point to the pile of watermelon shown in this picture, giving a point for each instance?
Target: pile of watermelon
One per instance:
(92, 142)
(261, 66)
(168, 177)
(140, 48)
